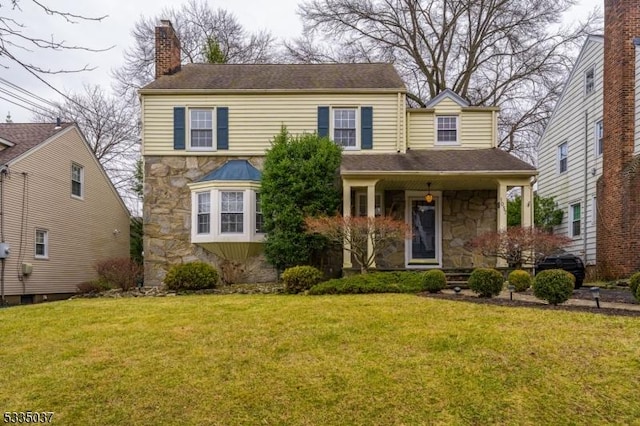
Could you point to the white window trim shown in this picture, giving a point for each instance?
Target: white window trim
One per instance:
(255, 214)
(588, 92)
(46, 244)
(559, 158)
(363, 194)
(214, 126)
(447, 143)
(332, 124)
(81, 196)
(597, 139)
(572, 219)
(594, 209)
(215, 235)
(196, 212)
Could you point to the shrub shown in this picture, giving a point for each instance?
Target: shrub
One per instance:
(520, 279)
(191, 276)
(93, 286)
(376, 282)
(553, 285)
(300, 278)
(634, 285)
(434, 280)
(486, 282)
(119, 272)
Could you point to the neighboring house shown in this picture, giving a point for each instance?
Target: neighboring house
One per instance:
(590, 153)
(60, 212)
(206, 128)
(570, 151)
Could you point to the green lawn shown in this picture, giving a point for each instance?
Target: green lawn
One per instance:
(367, 359)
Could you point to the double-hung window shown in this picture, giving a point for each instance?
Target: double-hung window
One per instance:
(259, 216)
(575, 217)
(344, 127)
(201, 127)
(77, 180)
(447, 129)
(231, 212)
(589, 81)
(204, 212)
(42, 244)
(599, 138)
(563, 157)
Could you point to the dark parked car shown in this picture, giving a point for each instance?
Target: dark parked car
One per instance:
(567, 261)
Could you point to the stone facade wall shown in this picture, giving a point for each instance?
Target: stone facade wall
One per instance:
(465, 214)
(167, 217)
(618, 218)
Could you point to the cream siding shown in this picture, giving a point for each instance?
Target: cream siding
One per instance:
(476, 128)
(574, 121)
(79, 231)
(254, 119)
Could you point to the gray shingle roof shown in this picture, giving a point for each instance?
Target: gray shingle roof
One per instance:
(450, 160)
(281, 77)
(25, 136)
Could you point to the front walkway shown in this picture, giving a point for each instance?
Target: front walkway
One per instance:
(572, 301)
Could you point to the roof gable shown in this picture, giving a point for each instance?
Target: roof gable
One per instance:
(450, 94)
(23, 137)
(284, 77)
(239, 170)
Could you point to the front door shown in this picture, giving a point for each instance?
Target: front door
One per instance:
(423, 245)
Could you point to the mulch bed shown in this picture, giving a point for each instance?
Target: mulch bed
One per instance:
(606, 295)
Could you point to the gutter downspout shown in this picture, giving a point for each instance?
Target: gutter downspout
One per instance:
(586, 178)
(3, 172)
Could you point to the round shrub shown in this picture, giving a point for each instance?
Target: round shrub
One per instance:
(486, 282)
(191, 276)
(520, 279)
(300, 278)
(553, 285)
(634, 285)
(434, 280)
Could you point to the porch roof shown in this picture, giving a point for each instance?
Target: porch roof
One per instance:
(492, 160)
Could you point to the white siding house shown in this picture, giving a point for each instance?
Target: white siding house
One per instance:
(570, 151)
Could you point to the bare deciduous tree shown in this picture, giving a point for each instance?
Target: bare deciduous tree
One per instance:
(16, 39)
(514, 54)
(110, 127)
(197, 26)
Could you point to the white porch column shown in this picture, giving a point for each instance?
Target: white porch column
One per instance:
(502, 216)
(346, 212)
(526, 211)
(371, 214)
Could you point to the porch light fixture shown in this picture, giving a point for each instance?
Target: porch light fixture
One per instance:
(429, 197)
(511, 289)
(595, 292)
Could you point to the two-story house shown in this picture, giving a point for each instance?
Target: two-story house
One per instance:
(59, 212)
(206, 128)
(589, 156)
(571, 148)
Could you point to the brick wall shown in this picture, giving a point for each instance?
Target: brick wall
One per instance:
(618, 219)
(167, 50)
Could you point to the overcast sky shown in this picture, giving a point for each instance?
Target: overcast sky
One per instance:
(277, 16)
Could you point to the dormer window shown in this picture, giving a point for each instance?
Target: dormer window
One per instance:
(589, 81)
(447, 130)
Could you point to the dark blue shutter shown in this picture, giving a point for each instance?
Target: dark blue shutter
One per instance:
(366, 127)
(222, 131)
(178, 127)
(323, 121)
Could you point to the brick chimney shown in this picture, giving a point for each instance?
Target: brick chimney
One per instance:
(167, 49)
(618, 194)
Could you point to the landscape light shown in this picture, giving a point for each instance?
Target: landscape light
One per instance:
(511, 288)
(595, 292)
